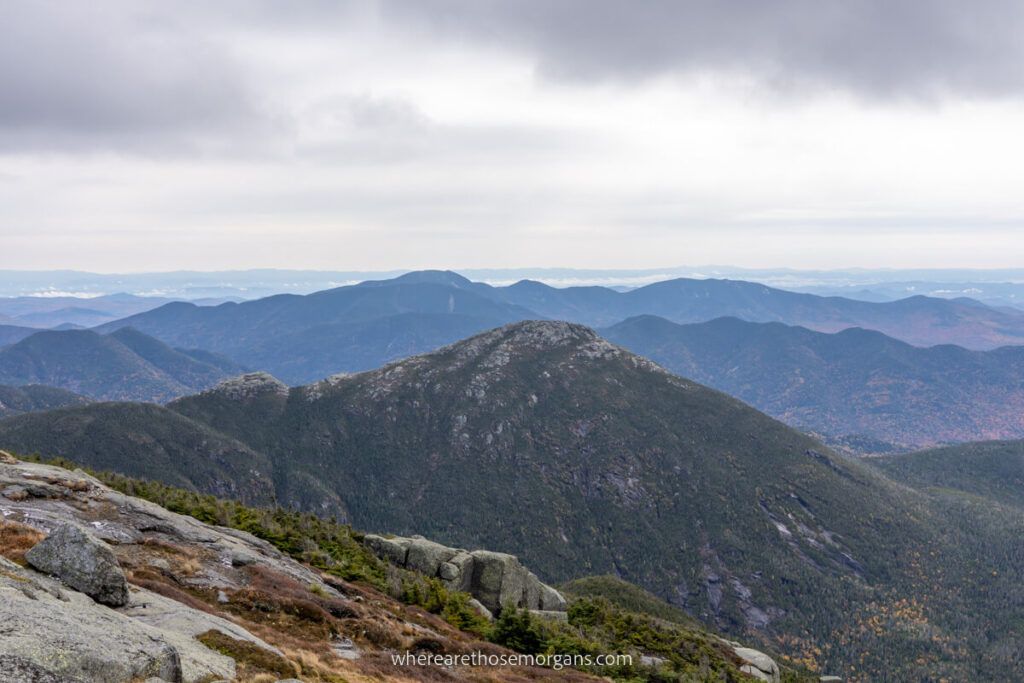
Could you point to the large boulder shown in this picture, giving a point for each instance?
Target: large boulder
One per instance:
(758, 664)
(495, 580)
(551, 600)
(394, 550)
(457, 572)
(426, 557)
(83, 562)
(487, 577)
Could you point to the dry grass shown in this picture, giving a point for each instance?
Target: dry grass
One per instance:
(16, 539)
(303, 623)
(250, 658)
(184, 560)
(160, 584)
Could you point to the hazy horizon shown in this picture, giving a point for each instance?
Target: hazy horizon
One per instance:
(991, 286)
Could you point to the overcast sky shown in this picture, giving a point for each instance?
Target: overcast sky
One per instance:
(474, 133)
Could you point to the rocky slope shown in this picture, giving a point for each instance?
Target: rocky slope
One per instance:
(98, 585)
(178, 584)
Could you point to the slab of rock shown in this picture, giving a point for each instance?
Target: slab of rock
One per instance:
(66, 634)
(426, 557)
(758, 664)
(551, 600)
(14, 668)
(480, 609)
(83, 562)
(461, 570)
(179, 624)
(127, 521)
(394, 550)
(495, 580)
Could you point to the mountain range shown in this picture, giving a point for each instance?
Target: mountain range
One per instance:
(348, 329)
(853, 383)
(304, 338)
(543, 439)
(52, 311)
(123, 365)
(918, 320)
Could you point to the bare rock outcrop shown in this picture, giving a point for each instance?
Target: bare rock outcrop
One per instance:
(756, 663)
(83, 562)
(65, 633)
(250, 385)
(496, 580)
(72, 616)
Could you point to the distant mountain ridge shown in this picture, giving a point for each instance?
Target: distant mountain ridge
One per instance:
(124, 365)
(35, 398)
(304, 338)
(918, 320)
(856, 382)
(10, 334)
(362, 326)
(51, 311)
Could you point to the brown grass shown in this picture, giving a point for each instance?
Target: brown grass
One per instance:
(161, 585)
(250, 658)
(16, 539)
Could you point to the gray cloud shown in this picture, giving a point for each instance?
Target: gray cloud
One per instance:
(116, 74)
(158, 78)
(874, 48)
(368, 130)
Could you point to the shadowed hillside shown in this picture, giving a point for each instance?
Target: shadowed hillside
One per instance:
(124, 365)
(855, 382)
